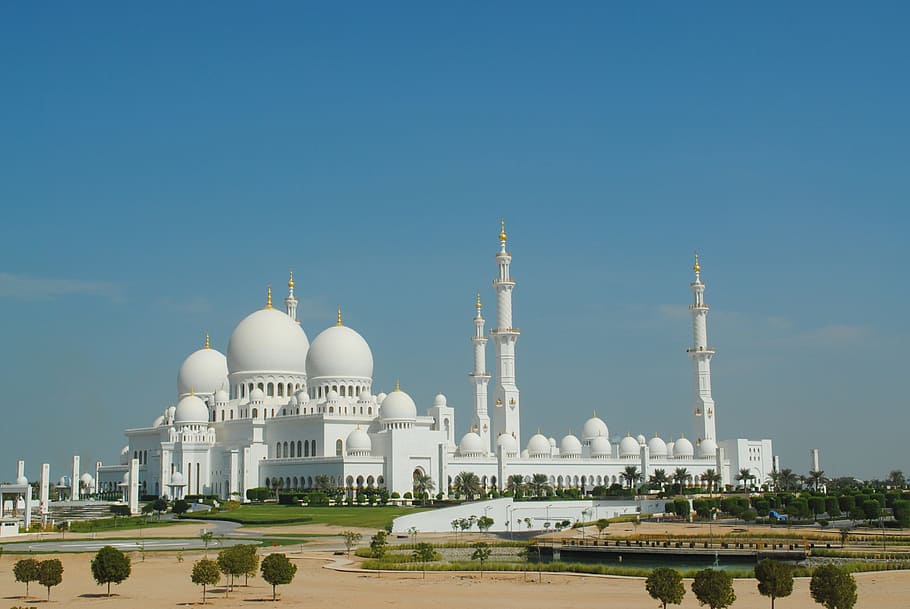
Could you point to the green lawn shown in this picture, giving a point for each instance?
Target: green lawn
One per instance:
(270, 513)
(118, 524)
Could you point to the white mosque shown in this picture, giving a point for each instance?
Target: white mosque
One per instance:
(280, 411)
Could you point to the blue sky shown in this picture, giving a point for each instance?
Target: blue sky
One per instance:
(161, 165)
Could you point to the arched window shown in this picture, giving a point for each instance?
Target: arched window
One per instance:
(313, 448)
(285, 451)
(343, 391)
(299, 454)
(261, 386)
(280, 389)
(293, 452)
(255, 413)
(278, 450)
(339, 448)
(270, 390)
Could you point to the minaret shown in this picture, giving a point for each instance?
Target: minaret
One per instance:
(290, 302)
(481, 379)
(506, 413)
(701, 355)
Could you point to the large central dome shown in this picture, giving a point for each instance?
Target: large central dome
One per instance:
(268, 341)
(339, 353)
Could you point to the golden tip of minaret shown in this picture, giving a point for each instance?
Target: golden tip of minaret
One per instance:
(208, 343)
(502, 229)
(696, 267)
(397, 384)
(268, 298)
(338, 321)
(478, 305)
(291, 280)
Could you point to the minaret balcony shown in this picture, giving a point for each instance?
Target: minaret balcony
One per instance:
(508, 281)
(505, 331)
(479, 375)
(698, 307)
(700, 350)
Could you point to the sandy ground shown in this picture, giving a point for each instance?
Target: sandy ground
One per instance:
(162, 581)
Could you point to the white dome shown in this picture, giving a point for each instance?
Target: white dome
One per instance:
(524, 454)
(600, 447)
(470, 445)
(707, 448)
(642, 440)
(159, 421)
(124, 457)
(204, 371)
(398, 405)
(221, 396)
(594, 427)
(657, 447)
(191, 409)
(439, 400)
(570, 447)
(177, 479)
(683, 448)
(538, 446)
(257, 395)
(364, 397)
(629, 447)
(381, 397)
(339, 353)
(508, 442)
(126, 478)
(169, 413)
(86, 478)
(359, 442)
(267, 340)
(21, 480)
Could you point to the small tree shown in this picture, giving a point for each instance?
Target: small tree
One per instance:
(278, 570)
(206, 536)
(425, 553)
(482, 552)
(378, 546)
(180, 507)
(832, 587)
(484, 523)
(601, 524)
(205, 573)
(160, 505)
(775, 579)
(249, 561)
(714, 588)
(665, 585)
(50, 574)
(26, 570)
(351, 538)
(110, 565)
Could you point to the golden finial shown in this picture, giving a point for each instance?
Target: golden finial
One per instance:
(192, 391)
(208, 343)
(268, 298)
(397, 384)
(696, 267)
(502, 229)
(338, 321)
(478, 305)
(291, 280)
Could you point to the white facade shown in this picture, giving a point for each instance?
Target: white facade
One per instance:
(280, 411)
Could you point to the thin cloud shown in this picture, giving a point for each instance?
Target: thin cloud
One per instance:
(836, 334)
(28, 288)
(196, 305)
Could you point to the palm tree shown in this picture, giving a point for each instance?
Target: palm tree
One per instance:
(788, 479)
(516, 484)
(630, 475)
(659, 477)
(467, 484)
(712, 478)
(540, 484)
(423, 485)
(896, 479)
(817, 477)
(322, 483)
(744, 476)
(680, 477)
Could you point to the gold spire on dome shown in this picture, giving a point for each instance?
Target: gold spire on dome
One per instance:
(338, 321)
(208, 343)
(397, 384)
(478, 305)
(696, 267)
(291, 280)
(268, 298)
(502, 229)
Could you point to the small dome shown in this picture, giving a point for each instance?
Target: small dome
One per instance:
(191, 409)
(470, 445)
(177, 479)
(170, 412)
(600, 447)
(303, 397)
(268, 340)
(159, 421)
(629, 447)
(682, 449)
(508, 443)
(332, 395)
(538, 446)
(657, 447)
(381, 397)
(570, 447)
(126, 478)
(398, 405)
(642, 440)
(21, 480)
(707, 449)
(339, 353)
(594, 427)
(293, 401)
(524, 454)
(257, 395)
(86, 478)
(124, 457)
(439, 400)
(364, 397)
(552, 442)
(203, 371)
(359, 442)
(221, 396)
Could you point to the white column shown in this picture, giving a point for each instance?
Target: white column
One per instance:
(481, 380)
(506, 417)
(75, 483)
(20, 469)
(701, 354)
(44, 491)
(134, 486)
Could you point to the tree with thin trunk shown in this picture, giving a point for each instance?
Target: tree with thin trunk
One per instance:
(26, 570)
(516, 485)
(467, 484)
(278, 570)
(631, 475)
(110, 566)
(745, 476)
(205, 573)
(712, 478)
(424, 553)
(833, 587)
(788, 479)
(817, 477)
(423, 485)
(378, 546)
(714, 588)
(351, 538)
(665, 585)
(482, 552)
(660, 478)
(680, 477)
(775, 579)
(50, 574)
